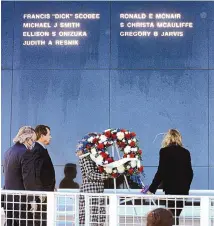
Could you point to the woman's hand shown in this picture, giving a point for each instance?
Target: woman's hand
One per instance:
(78, 153)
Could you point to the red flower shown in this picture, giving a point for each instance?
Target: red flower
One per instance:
(133, 134)
(140, 169)
(121, 144)
(125, 156)
(128, 136)
(114, 175)
(108, 145)
(132, 144)
(110, 160)
(104, 155)
(114, 136)
(131, 171)
(100, 169)
(95, 140)
(108, 134)
(123, 130)
(100, 146)
(140, 151)
(132, 155)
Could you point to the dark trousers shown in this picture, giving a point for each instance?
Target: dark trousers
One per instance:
(17, 211)
(40, 216)
(176, 208)
(97, 211)
(18, 218)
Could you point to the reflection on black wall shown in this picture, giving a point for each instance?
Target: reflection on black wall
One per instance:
(70, 172)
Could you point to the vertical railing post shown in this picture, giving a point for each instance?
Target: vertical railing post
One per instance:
(76, 209)
(113, 210)
(87, 209)
(204, 211)
(51, 209)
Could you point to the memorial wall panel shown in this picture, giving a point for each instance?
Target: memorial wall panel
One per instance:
(71, 102)
(211, 118)
(150, 102)
(61, 35)
(7, 39)
(6, 86)
(86, 66)
(159, 35)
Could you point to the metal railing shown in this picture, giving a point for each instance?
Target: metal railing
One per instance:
(64, 208)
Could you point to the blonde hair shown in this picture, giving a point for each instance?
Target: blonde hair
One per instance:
(24, 133)
(173, 136)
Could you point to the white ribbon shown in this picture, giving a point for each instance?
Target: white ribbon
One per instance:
(84, 155)
(116, 163)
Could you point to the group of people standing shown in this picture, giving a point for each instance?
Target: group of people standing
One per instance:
(174, 175)
(28, 166)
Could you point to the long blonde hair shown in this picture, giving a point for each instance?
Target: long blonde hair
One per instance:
(173, 136)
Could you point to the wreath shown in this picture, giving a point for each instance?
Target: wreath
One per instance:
(96, 145)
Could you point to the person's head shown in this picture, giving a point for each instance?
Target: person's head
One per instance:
(81, 147)
(173, 136)
(160, 217)
(26, 135)
(43, 134)
(70, 170)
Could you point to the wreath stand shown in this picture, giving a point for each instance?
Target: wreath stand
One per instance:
(114, 146)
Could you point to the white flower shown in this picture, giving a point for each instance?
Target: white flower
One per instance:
(107, 130)
(128, 167)
(108, 170)
(120, 169)
(114, 131)
(134, 149)
(114, 171)
(90, 139)
(105, 143)
(138, 163)
(129, 141)
(133, 163)
(126, 132)
(120, 135)
(106, 162)
(134, 139)
(93, 151)
(107, 153)
(123, 140)
(99, 160)
(128, 156)
(103, 138)
(127, 149)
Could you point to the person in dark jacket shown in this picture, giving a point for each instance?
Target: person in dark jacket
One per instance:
(174, 171)
(44, 171)
(15, 206)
